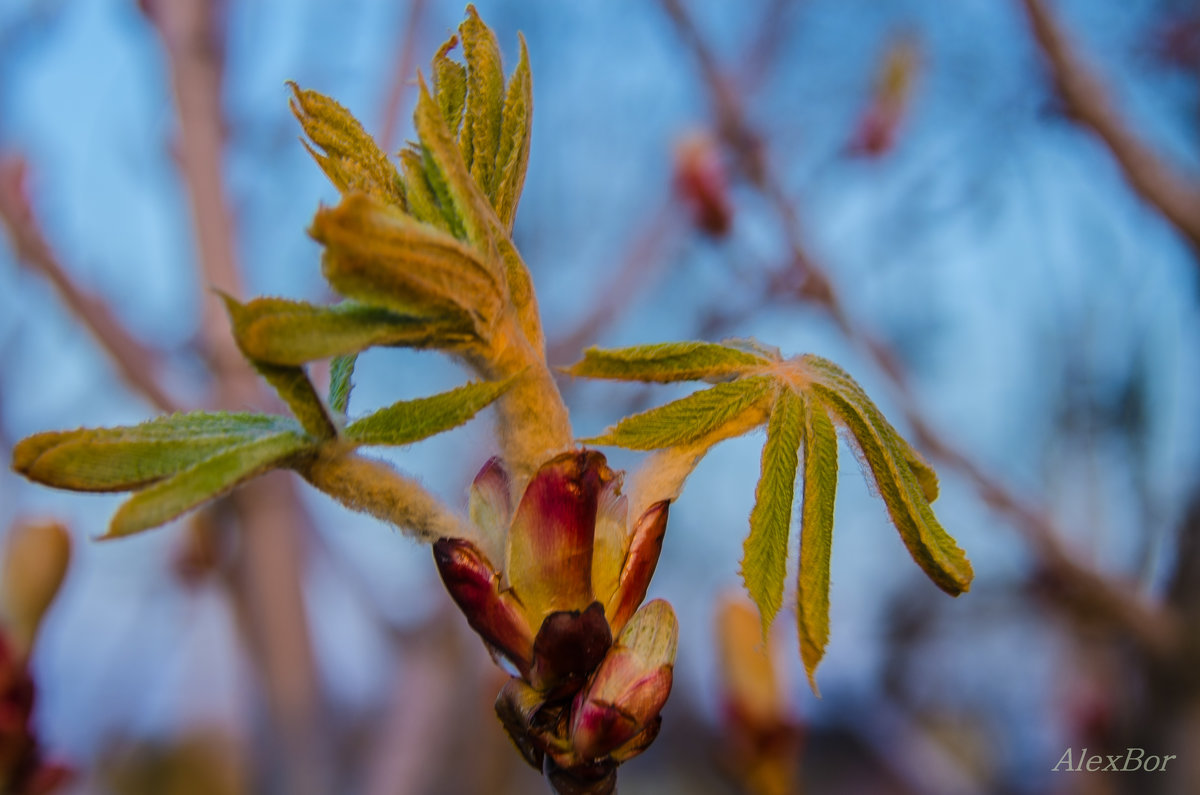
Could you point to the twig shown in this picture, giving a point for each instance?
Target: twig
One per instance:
(1087, 100)
(402, 76)
(266, 586)
(137, 364)
(1152, 625)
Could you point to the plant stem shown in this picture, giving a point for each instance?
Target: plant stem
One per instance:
(373, 487)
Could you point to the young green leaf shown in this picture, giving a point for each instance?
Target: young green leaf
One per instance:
(689, 418)
(290, 382)
(126, 458)
(450, 85)
(294, 388)
(816, 536)
(203, 481)
(351, 159)
(668, 361)
(884, 450)
(833, 373)
(341, 371)
(480, 137)
(515, 134)
(422, 203)
(764, 565)
(443, 163)
(280, 331)
(381, 257)
(410, 421)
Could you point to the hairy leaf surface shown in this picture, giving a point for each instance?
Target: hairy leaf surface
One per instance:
(129, 457)
(764, 565)
(279, 331)
(885, 452)
(412, 420)
(669, 361)
(289, 382)
(341, 373)
(480, 137)
(383, 258)
(513, 156)
(816, 535)
(348, 155)
(689, 418)
(203, 481)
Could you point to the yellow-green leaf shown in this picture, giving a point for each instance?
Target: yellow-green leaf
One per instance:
(381, 257)
(341, 371)
(816, 536)
(129, 457)
(764, 565)
(669, 361)
(296, 390)
(348, 155)
(689, 418)
(290, 382)
(480, 135)
(515, 134)
(203, 481)
(464, 199)
(422, 203)
(450, 85)
(410, 421)
(280, 331)
(886, 455)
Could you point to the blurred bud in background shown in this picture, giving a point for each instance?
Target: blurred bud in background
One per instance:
(200, 763)
(701, 181)
(762, 736)
(36, 556)
(35, 559)
(891, 95)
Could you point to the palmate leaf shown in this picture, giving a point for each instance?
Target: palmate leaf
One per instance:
(130, 457)
(284, 332)
(816, 536)
(204, 481)
(409, 421)
(670, 361)
(888, 456)
(764, 565)
(800, 398)
(689, 418)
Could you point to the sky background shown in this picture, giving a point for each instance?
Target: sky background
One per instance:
(1045, 315)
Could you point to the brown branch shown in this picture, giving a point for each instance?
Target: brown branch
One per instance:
(266, 584)
(1119, 603)
(1088, 102)
(137, 364)
(402, 76)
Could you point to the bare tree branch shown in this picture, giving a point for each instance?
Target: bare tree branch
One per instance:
(1116, 601)
(402, 75)
(137, 364)
(266, 585)
(1088, 102)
